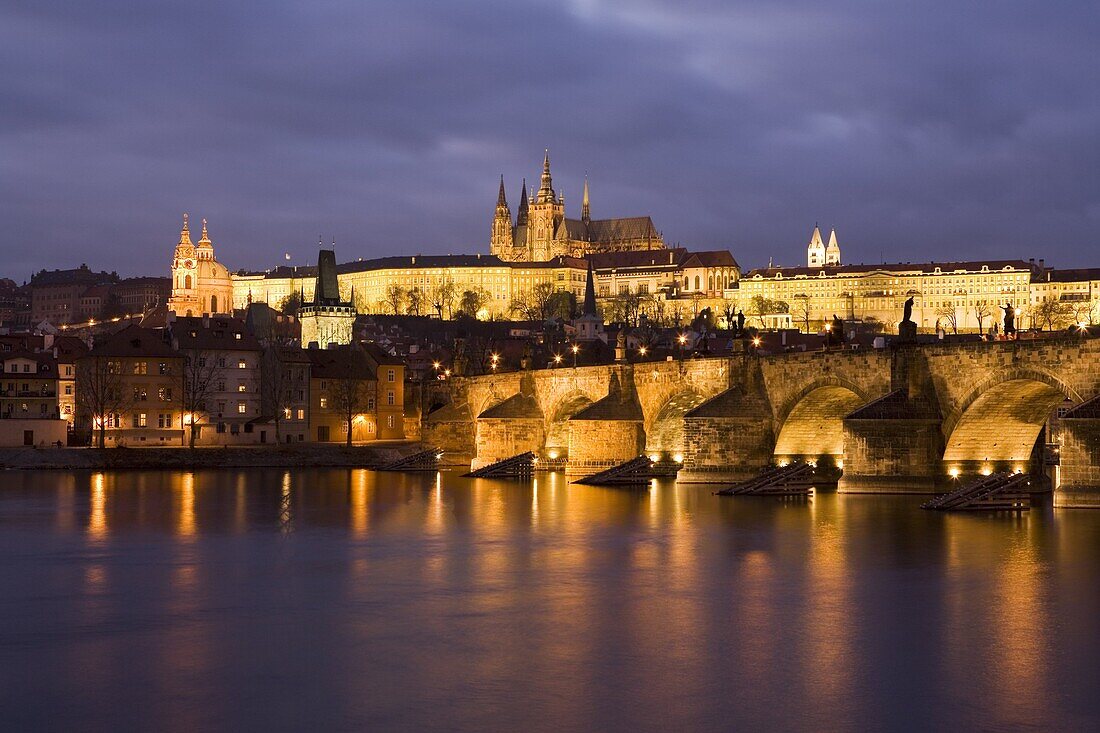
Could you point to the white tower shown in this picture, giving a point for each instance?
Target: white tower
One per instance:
(832, 252)
(815, 250)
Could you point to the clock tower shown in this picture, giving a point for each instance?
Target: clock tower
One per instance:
(185, 297)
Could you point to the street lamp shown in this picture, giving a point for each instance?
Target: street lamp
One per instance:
(495, 358)
(557, 358)
(575, 349)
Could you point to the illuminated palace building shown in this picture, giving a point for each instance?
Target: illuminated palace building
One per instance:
(956, 296)
(539, 250)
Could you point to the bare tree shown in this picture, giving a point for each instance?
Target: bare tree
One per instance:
(982, 310)
(473, 300)
(534, 305)
(801, 311)
(1084, 312)
(279, 379)
(349, 394)
(950, 315)
(443, 296)
(729, 313)
(99, 392)
(200, 378)
(394, 298)
(1051, 314)
(416, 301)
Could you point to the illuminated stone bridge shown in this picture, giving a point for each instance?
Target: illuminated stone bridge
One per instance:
(901, 419)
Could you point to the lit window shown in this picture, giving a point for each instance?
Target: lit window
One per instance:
(240, 387)
(242, 407)
(324, 402)
(241, 364)
(301, 414)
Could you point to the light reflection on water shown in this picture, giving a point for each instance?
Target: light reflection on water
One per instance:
(345, 599)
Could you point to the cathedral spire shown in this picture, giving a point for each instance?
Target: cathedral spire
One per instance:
(501, 199)
(546, 189)
(586, 213)
(521, 215)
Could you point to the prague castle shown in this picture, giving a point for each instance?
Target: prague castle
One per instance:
(541, 230)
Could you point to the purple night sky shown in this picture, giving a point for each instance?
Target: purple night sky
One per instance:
(920, 130)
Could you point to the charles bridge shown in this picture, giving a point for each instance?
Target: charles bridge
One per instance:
(905, 418)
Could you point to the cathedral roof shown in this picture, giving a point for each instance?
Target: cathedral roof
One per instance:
(608, 230)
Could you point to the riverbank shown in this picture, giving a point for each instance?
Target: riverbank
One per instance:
(282, 456)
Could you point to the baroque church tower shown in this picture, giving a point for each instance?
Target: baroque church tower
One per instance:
(200, 284)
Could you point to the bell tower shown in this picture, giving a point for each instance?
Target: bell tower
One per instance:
(545, 212)
(500, 238)
(185, 298)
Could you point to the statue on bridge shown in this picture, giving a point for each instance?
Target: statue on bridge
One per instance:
(740, 322)
(834, 332)
(907, 329)
(1010, 319)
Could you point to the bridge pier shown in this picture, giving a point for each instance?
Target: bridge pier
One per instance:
(509, 428)
(1078, 475)
(891, 445)
(607, 432)
(729, 437)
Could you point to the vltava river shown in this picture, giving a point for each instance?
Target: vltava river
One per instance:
(349, 600)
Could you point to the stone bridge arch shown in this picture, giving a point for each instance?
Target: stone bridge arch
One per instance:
(997, 423)
(810, 422)
(664, 429)
(557, 419)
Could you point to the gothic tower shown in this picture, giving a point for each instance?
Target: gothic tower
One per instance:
(586, 211)
(544, 215)
(500, 240)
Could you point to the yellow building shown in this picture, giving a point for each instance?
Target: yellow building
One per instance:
(955, 296)
(200, 284)
(357, 382)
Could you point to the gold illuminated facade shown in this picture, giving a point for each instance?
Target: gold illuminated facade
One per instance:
(200, 284)
(541, 231)
(954, 296)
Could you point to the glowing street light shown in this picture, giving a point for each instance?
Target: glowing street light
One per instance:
(557, 358)
(575, 349)
(756, 341)
(642, 350)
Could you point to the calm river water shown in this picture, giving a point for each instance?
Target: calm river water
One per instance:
(349, 600)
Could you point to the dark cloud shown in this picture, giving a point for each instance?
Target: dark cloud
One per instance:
(926, 130)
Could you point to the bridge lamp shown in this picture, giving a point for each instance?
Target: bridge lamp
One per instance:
(682, 339)
(756, 341)
(576, 348)
(954, 472)
(653, 458)
(436, 365)
(840, 464)
(446, 372)
(642, 350)
(553, 455)
(679, 458)
(828, 327)
(557, 358)
(986, 470)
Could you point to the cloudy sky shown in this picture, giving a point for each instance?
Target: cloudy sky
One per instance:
(920, 130)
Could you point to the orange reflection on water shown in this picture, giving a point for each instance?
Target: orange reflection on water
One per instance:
(185, 512)
(97, 515)
(359, 511)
